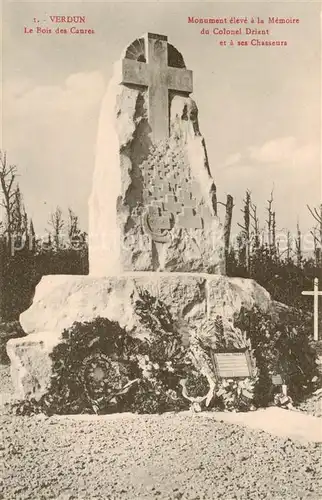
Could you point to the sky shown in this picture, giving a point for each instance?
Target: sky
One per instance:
(259, 107)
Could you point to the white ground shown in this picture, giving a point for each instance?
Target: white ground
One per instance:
(170, 456)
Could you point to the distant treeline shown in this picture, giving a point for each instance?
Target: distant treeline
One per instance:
(256, 253)
(276, 259)
(25, 258)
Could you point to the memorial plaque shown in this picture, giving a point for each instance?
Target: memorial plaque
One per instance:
(277, 379)
(232, 364)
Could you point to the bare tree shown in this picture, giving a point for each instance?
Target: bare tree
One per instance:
(8, 175)
(246, 228)
(32, 237)
(254, 225)
(317, 246)
(271, 226)
(15, 221)
(317, 233)
(298, 245)
(76, 236)
(227, 224)
(317, 215)
(56, 222)
(289, 244)
(274, 232)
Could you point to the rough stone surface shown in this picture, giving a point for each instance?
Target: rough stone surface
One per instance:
(31, 365)
(61, 299)
(194, 299)
(153, 201)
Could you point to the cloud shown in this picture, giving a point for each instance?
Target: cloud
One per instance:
(284, 150)
(77, 94)
(291, 167)
(49, 131)
(233, 159)
(285, 153)
(282, 154)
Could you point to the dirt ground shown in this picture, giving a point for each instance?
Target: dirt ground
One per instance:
(170, 456)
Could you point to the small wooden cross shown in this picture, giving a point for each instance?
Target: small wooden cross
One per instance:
(315, 294)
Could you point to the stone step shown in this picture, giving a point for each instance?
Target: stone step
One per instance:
(292, 424)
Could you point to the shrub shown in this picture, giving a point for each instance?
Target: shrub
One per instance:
(163, 360)
(152, 396)
(236, 394)
(232, 394)
(100, 368)
(94, 362)
(281, 346)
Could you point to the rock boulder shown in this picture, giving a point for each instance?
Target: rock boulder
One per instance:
(194, 299)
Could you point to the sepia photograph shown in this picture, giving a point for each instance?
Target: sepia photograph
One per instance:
(161, 250)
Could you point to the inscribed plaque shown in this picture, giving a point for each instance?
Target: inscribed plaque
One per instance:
(232, 364)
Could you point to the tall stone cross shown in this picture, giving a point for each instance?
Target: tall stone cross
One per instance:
(315, 294)
(159, 78)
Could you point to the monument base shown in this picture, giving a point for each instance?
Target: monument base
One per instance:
(60, 300)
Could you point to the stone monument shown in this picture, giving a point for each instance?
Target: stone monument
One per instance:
(153, 220)
(153, 203)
